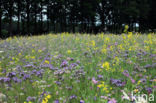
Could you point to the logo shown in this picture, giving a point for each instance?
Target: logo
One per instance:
(138, 98)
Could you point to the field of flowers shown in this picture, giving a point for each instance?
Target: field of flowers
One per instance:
(76, 68)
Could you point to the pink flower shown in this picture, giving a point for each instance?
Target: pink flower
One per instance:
(94, 81)
(112, 101)
(126, 73)
(104, 97)
(132, 80)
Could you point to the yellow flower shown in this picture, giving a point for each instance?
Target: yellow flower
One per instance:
(136, 90)
(28, 102)
(26, 56)
(130, 35)
(130, 49)
(147, 48)
(126, 28)
(45, 100)
(120, 46)
(33, 57)
(107, 91)
(149, 36)
(9, 39)
(69, 51)
(48, 96)
(104, 89)
(77, 39)
(47, 62)
(33, 51)
(93, 43)
(104, 50)
(17, 59)
(116, 60)
(139, 82)
(13, 58)
(39, 51)
(100, 85)
(106, 66)
(19, 54)
(107, 39)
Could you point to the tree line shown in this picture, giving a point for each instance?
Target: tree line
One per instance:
(23, 17)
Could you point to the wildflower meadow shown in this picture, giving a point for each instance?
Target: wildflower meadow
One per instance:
(78, 68)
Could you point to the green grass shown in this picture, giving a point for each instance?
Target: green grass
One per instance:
(106, 55)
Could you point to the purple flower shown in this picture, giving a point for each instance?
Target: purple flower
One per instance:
(26, 76)
(95, 98)
(31, 98)
(140, 75)
(118, 82)
(50, 66)
(1, 79)
(39, 73)
(149, 90)
(73, 97)
(21, 74)
(16, 80)
(126, 73)
(143, 80)
(154, 65)
(82, 101)
(59, 72)
(4, 71)
(70, 59)
(64, 63)
(56, 101)
(30, 66)
(5, 79)
(11, 74)
(147, 66)
(58, 83)
(34, 71)
(78, 62)
(100, 76)
(73, 65)
(47, 65)
(69, 88)
(139, 54)
(116, 43)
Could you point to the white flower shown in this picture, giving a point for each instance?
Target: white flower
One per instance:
(1, 51)
(2, 97)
